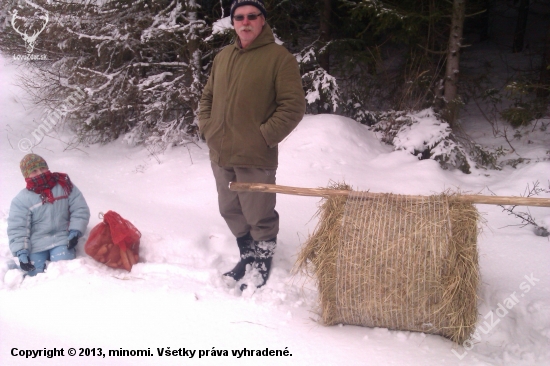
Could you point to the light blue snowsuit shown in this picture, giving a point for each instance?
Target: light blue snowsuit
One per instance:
(43, 228)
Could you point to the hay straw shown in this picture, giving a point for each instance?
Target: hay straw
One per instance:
(396, 263)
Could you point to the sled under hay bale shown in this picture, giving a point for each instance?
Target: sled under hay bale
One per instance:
(394, 261)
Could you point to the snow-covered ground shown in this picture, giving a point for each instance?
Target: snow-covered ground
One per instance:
(175, 298)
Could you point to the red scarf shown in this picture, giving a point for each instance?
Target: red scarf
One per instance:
(42, 184)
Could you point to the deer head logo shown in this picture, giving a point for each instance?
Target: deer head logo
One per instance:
(29, 40)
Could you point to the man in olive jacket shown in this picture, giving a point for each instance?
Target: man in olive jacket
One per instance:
(253, 99)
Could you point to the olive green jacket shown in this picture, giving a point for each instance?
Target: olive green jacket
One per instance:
(253, 99)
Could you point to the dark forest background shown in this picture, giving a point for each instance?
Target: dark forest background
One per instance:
(141, 65)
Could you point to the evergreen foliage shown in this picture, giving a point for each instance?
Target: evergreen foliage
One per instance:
(141, 65)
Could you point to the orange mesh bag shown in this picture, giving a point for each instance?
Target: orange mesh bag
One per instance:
(114, 242)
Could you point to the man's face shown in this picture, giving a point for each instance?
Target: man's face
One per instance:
(248, 30)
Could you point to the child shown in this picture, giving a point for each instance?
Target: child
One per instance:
(47, 218)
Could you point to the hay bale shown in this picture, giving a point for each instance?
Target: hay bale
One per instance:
(396, 262)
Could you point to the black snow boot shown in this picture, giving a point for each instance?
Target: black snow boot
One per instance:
(264, 251)
(247, 250)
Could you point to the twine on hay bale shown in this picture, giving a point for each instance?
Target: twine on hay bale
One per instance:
(396, 262)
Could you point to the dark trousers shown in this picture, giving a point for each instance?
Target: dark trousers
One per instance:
(245, 212)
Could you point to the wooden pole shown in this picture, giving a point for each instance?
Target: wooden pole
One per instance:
(326, 192)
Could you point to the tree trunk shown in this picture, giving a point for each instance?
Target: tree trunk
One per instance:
(521, 26)
(453, 62)
(324, 33)
(194, 49)
(195, 56)
(484, 21)
(544, 90)
(324, 57)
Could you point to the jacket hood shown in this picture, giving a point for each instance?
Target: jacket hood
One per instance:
(265, 37)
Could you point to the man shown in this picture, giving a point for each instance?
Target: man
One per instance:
(253, 99)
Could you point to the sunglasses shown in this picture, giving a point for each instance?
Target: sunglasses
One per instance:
(240, 18)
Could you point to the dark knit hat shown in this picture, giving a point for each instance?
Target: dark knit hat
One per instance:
(31, 162)
(257, 3)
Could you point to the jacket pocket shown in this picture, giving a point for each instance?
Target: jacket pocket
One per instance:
(249, 148)
(204, 125)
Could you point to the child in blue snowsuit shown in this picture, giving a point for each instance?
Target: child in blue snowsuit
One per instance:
(46, 218)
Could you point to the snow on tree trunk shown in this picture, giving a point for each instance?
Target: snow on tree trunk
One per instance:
(195, 55)
(324, 33)
(453, 61)
(194, 51)
(324, 57)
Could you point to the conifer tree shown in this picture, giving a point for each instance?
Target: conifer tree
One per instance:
(138, 62)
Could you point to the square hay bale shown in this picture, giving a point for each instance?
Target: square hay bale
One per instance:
(396, 262)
